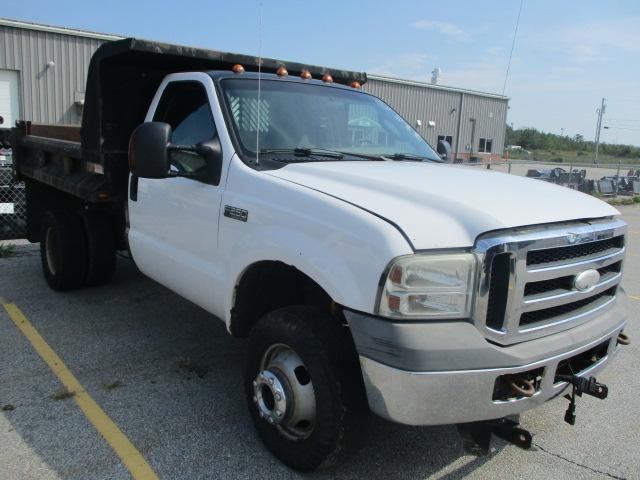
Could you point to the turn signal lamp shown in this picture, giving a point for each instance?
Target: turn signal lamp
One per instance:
(327, 78)
(305, 75)
(237, 68)
(355, 85)
(282, 72)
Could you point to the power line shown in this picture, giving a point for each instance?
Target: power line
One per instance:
(615, 127)
(625, 100)
(513, 46)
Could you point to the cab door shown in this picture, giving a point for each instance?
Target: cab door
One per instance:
(173, 222)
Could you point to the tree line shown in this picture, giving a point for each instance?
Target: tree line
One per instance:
(532, 139)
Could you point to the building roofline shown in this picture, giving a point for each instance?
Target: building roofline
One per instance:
(416, 83)
(7, 22)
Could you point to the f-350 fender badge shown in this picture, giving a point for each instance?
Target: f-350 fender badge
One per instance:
(236, 213)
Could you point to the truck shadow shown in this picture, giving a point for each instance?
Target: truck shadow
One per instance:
(171, 377)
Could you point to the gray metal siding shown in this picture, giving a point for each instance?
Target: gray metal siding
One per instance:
(417, 103)
(47, 95)
(446, 107)
(491, 121)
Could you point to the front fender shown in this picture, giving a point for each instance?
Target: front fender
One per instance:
(340, 246)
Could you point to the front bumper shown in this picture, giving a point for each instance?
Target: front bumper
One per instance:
(400, 392)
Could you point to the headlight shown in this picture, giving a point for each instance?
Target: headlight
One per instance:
(429, 286)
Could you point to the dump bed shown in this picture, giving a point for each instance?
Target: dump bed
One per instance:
(90, 162)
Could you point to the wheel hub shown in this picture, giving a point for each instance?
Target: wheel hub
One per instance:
(283, 392)
(270, 396)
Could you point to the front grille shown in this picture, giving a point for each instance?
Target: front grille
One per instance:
(564, 283)
(613, 268)
(564, 309)
(526, 287)
(498, 290)
(550, 255)
(560, 283)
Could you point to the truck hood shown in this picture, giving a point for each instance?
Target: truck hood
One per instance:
(444, 206)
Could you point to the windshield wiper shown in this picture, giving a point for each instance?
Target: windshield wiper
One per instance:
(367, 156)
(304, 152)
(407, 156)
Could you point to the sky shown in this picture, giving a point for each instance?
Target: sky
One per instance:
(568, 54)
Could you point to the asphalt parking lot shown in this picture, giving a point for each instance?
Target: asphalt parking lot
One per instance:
(168, 376)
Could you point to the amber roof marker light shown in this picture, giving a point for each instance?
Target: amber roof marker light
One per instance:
(237, 68)
(282, 71)
(327, 78)
(305, 75)
(355, 85)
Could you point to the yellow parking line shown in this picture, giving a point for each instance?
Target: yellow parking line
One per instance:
(634, 297)
(130, 456)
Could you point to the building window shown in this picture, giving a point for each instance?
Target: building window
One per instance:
(446, 138)
(486, 145)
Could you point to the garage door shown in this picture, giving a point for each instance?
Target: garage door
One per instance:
(9, 97)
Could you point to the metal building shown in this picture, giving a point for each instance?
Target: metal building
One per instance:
(474, 123)
(43, 73)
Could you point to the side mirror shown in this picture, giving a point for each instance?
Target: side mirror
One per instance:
(444, 150)
(211, 151)
(148, 150)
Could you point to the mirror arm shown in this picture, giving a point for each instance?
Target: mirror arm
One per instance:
(171, 174)
(189, 148)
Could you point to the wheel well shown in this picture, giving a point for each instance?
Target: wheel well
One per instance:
(41, 198)
(268, 285)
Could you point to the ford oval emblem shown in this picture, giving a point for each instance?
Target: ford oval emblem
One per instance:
(586, 280)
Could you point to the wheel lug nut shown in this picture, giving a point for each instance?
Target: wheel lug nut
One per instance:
(270, 420)
(255, 384)
(278, 413)
(271, 381)
(255, 399)
(278, 397)
(261, 414)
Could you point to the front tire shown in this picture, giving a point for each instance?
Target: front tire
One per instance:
(304, 387)
(63, 250)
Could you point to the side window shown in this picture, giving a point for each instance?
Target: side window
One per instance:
(185, 106)
(486, 144)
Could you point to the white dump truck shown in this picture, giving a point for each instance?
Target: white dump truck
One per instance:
(311, 218)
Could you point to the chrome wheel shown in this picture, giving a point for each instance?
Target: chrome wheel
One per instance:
(49, 242)
(283, 392)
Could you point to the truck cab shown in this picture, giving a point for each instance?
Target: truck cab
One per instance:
(311, 218)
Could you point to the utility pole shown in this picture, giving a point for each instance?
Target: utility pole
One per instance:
(598, 129)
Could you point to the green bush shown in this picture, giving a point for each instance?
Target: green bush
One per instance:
(6, 250)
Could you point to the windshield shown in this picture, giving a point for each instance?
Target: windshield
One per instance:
(307, 116)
